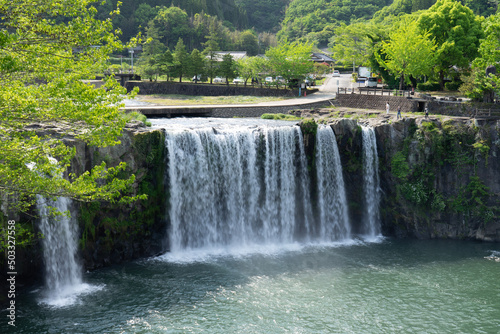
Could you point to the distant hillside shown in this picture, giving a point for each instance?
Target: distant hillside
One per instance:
(295, 19)
(264, 15)
(137, 13)
(315, 19)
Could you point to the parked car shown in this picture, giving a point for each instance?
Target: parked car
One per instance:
(371, 82)
(238, 80)
(310, 82)
(269, 80)
(219, 80)
(336, 73)
(199, 78)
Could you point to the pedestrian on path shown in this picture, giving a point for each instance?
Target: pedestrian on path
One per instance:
(399, 113)
(426, 112)
(387, 107)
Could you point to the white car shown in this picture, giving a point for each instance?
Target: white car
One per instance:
(219, 80)
(269, 80)
(238, 80)
(371, 82)
(336, 73)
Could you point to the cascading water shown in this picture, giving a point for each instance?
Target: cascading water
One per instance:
(236, 187)
(63, 273)
(241, 186)
(59, 246)
(332, 203)
(371, 184)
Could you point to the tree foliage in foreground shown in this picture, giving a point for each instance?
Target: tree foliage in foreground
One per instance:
(47, 47)
(408, 51)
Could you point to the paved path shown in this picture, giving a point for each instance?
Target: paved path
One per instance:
(326, 92)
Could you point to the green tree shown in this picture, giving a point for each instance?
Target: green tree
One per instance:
(212, 46)
(250, 67)
(197, 64)
(143, 14)
(47, 49)
(408, 52)
(181, 59)
(482, 7)
(249, 42)
(483, 85)
(264, 15)
(306, 17)
(166, 63)
(228, 67)
(353, 44)
(172, 23)
(148, 62)
(291, 61)
(457, 33)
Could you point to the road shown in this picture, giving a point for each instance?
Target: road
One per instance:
(332, 83)
(327, 91)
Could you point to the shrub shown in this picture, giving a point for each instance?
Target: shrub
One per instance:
(282, 117)
(428, 86)
(453, 85)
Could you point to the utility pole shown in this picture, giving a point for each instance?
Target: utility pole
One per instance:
(132, 60)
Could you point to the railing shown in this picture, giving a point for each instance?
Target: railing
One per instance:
(374, 91)
(484, 112)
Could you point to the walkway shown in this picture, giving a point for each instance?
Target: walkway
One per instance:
(326, 93)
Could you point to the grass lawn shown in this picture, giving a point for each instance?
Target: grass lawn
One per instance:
(175, 100)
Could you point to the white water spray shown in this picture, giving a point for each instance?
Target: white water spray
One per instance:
(332, 202)
(63, 277)
(371, 184)
(239, 187)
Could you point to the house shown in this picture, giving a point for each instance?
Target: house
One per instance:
(237, 55)
(321, 58)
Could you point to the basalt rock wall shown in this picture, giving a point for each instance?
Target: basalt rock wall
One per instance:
(439, 179)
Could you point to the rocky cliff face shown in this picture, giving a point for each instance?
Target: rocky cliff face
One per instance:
(112, 233)
(440, 178)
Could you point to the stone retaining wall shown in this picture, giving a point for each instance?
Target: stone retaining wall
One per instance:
(259, 111)
(442, 107)
(149, 88)
(377, 102)
(467, 109)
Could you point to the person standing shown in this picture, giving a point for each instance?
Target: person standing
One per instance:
(387, 107)
(399, 112)
(426, 112)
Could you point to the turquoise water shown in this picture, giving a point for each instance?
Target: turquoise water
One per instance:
(395, 286)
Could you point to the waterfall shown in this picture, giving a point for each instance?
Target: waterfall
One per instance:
(244, 186)
(332, 203)
(237, 187)
(371, 184)
(63, 277)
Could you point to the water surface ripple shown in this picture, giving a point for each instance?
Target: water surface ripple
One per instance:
(388, 287)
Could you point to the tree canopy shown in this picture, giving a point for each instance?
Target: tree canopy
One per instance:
(47, 49)
(264, 15)
(484, 82)
(304, 19)
(408, 51)
(291, 61)
(456, 31)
